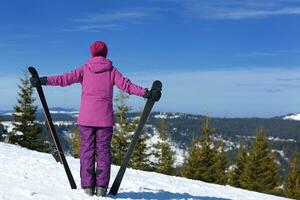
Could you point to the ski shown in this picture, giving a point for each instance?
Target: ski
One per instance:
(156, 94)
(58, 152)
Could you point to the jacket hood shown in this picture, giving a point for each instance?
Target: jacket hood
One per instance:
(99, 64)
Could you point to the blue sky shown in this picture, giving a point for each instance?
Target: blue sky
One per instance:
(230, 58)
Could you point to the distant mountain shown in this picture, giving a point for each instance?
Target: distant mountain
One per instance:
(283, 132)
(57, 113)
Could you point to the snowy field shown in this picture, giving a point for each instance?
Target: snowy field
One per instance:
(26, 174)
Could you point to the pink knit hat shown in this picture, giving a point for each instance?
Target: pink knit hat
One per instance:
(98, 48)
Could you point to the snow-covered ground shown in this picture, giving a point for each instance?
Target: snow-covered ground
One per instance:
(26, 174)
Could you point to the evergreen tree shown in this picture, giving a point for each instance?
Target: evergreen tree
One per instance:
(74, 143)
(292, 184)
(140, 156)
(261, 171)
(191, 162)
(200, 163)
(241, 159)
(220, 165)
(120, 139)
(164, 154)
(123, 134)
(27, 132)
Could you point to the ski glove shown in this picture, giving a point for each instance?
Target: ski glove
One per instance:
(147, 95)
(34, 81)
(153, 94)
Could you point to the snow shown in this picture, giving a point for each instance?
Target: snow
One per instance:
(281, 153)
(161, 116)
(8, 125)
(295, 117)
(63, 123)
(229, 145)
(72, 113)
(63, 112)
(179, 155)
(154, 139)
(166, 116)
(281, 139)
(26, 174)
(271, 138)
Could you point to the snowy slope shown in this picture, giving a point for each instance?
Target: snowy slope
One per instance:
(26, 174)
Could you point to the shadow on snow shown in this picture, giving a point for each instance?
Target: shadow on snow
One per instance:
(162, 195)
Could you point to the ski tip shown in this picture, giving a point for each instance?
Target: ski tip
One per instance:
(156, 90)
(32, 70)
(157, 85)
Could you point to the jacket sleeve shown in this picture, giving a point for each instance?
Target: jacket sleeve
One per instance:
(66, 78)
(125, 85)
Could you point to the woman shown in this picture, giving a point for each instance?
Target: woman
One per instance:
(96, 118)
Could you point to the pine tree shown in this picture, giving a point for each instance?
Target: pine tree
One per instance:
(191, 162)
(164, 154)
(27, 132)
(220, 165)
(120, 138)
(123, 134)
(292, 184)
(207, 154)
(74, 142)
(241, 159)
(261, 170)
(200, 163)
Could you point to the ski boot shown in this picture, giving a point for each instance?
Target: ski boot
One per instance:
(89, 191)
(100, 191)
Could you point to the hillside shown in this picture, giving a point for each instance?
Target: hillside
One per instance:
(283, 132)
(26, 174)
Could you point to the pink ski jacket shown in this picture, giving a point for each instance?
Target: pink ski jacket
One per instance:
(97, 78)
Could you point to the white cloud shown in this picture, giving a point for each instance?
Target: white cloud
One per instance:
(264, 54)
(94, 28)
(242, 9)
(256, 54)
(112, 17)
(116, 19)
(248, 13)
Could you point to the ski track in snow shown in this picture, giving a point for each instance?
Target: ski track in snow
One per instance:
(26, 174)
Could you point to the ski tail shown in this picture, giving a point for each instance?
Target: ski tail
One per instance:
(155, 96)
(58, 155)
